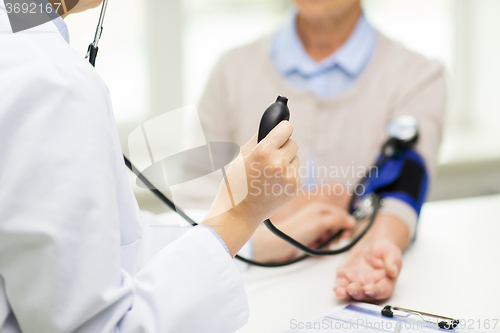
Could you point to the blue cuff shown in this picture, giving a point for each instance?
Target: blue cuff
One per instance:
(216, 236)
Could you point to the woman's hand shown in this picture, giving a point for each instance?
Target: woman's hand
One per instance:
(311, 225)
(261, 180)
(371, 268)
(334, 194)
(369, 273)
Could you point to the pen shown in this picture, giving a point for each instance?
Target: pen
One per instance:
(397, 329)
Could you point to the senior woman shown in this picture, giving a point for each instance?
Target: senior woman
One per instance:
(344, 81)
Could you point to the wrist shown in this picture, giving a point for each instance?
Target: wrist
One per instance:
(234, 226)
(386, 228)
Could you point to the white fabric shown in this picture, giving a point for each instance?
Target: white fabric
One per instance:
(73, 253)
(161, 229)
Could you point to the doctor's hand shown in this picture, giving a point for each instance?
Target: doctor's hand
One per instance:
(272, 171)
(261, 180)
(311, 225)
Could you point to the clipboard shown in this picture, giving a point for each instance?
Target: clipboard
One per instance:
(366, 317)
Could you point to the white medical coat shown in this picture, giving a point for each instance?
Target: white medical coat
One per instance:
(71, 238)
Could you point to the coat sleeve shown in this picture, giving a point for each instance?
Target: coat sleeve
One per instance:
(60, 223)
(191, 285)
(162, 230)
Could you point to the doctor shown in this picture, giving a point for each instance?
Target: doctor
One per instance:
(70, 228)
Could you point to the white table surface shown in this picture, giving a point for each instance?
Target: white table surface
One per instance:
(453, 269)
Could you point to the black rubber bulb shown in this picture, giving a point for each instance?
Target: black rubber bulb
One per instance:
(274, 114)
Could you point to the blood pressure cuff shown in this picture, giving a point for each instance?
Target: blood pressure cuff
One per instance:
(404, 177)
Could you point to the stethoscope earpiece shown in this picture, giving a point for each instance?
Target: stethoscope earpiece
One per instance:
(94, 46)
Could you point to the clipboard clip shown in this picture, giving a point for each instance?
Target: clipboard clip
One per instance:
(444, 322)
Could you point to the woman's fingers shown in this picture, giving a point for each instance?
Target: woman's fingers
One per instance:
(333, 223)
(335, 218)
(340, 288)
(392, 264)
(356, 291)
(389, 257)
(381, 290)
(345, 221)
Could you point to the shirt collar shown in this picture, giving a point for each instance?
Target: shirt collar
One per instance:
(290, 56)
(62, 27)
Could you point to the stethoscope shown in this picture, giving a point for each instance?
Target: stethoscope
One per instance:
(402, 132)
(94, 46)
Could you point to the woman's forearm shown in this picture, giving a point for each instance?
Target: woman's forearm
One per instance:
(387, 227)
